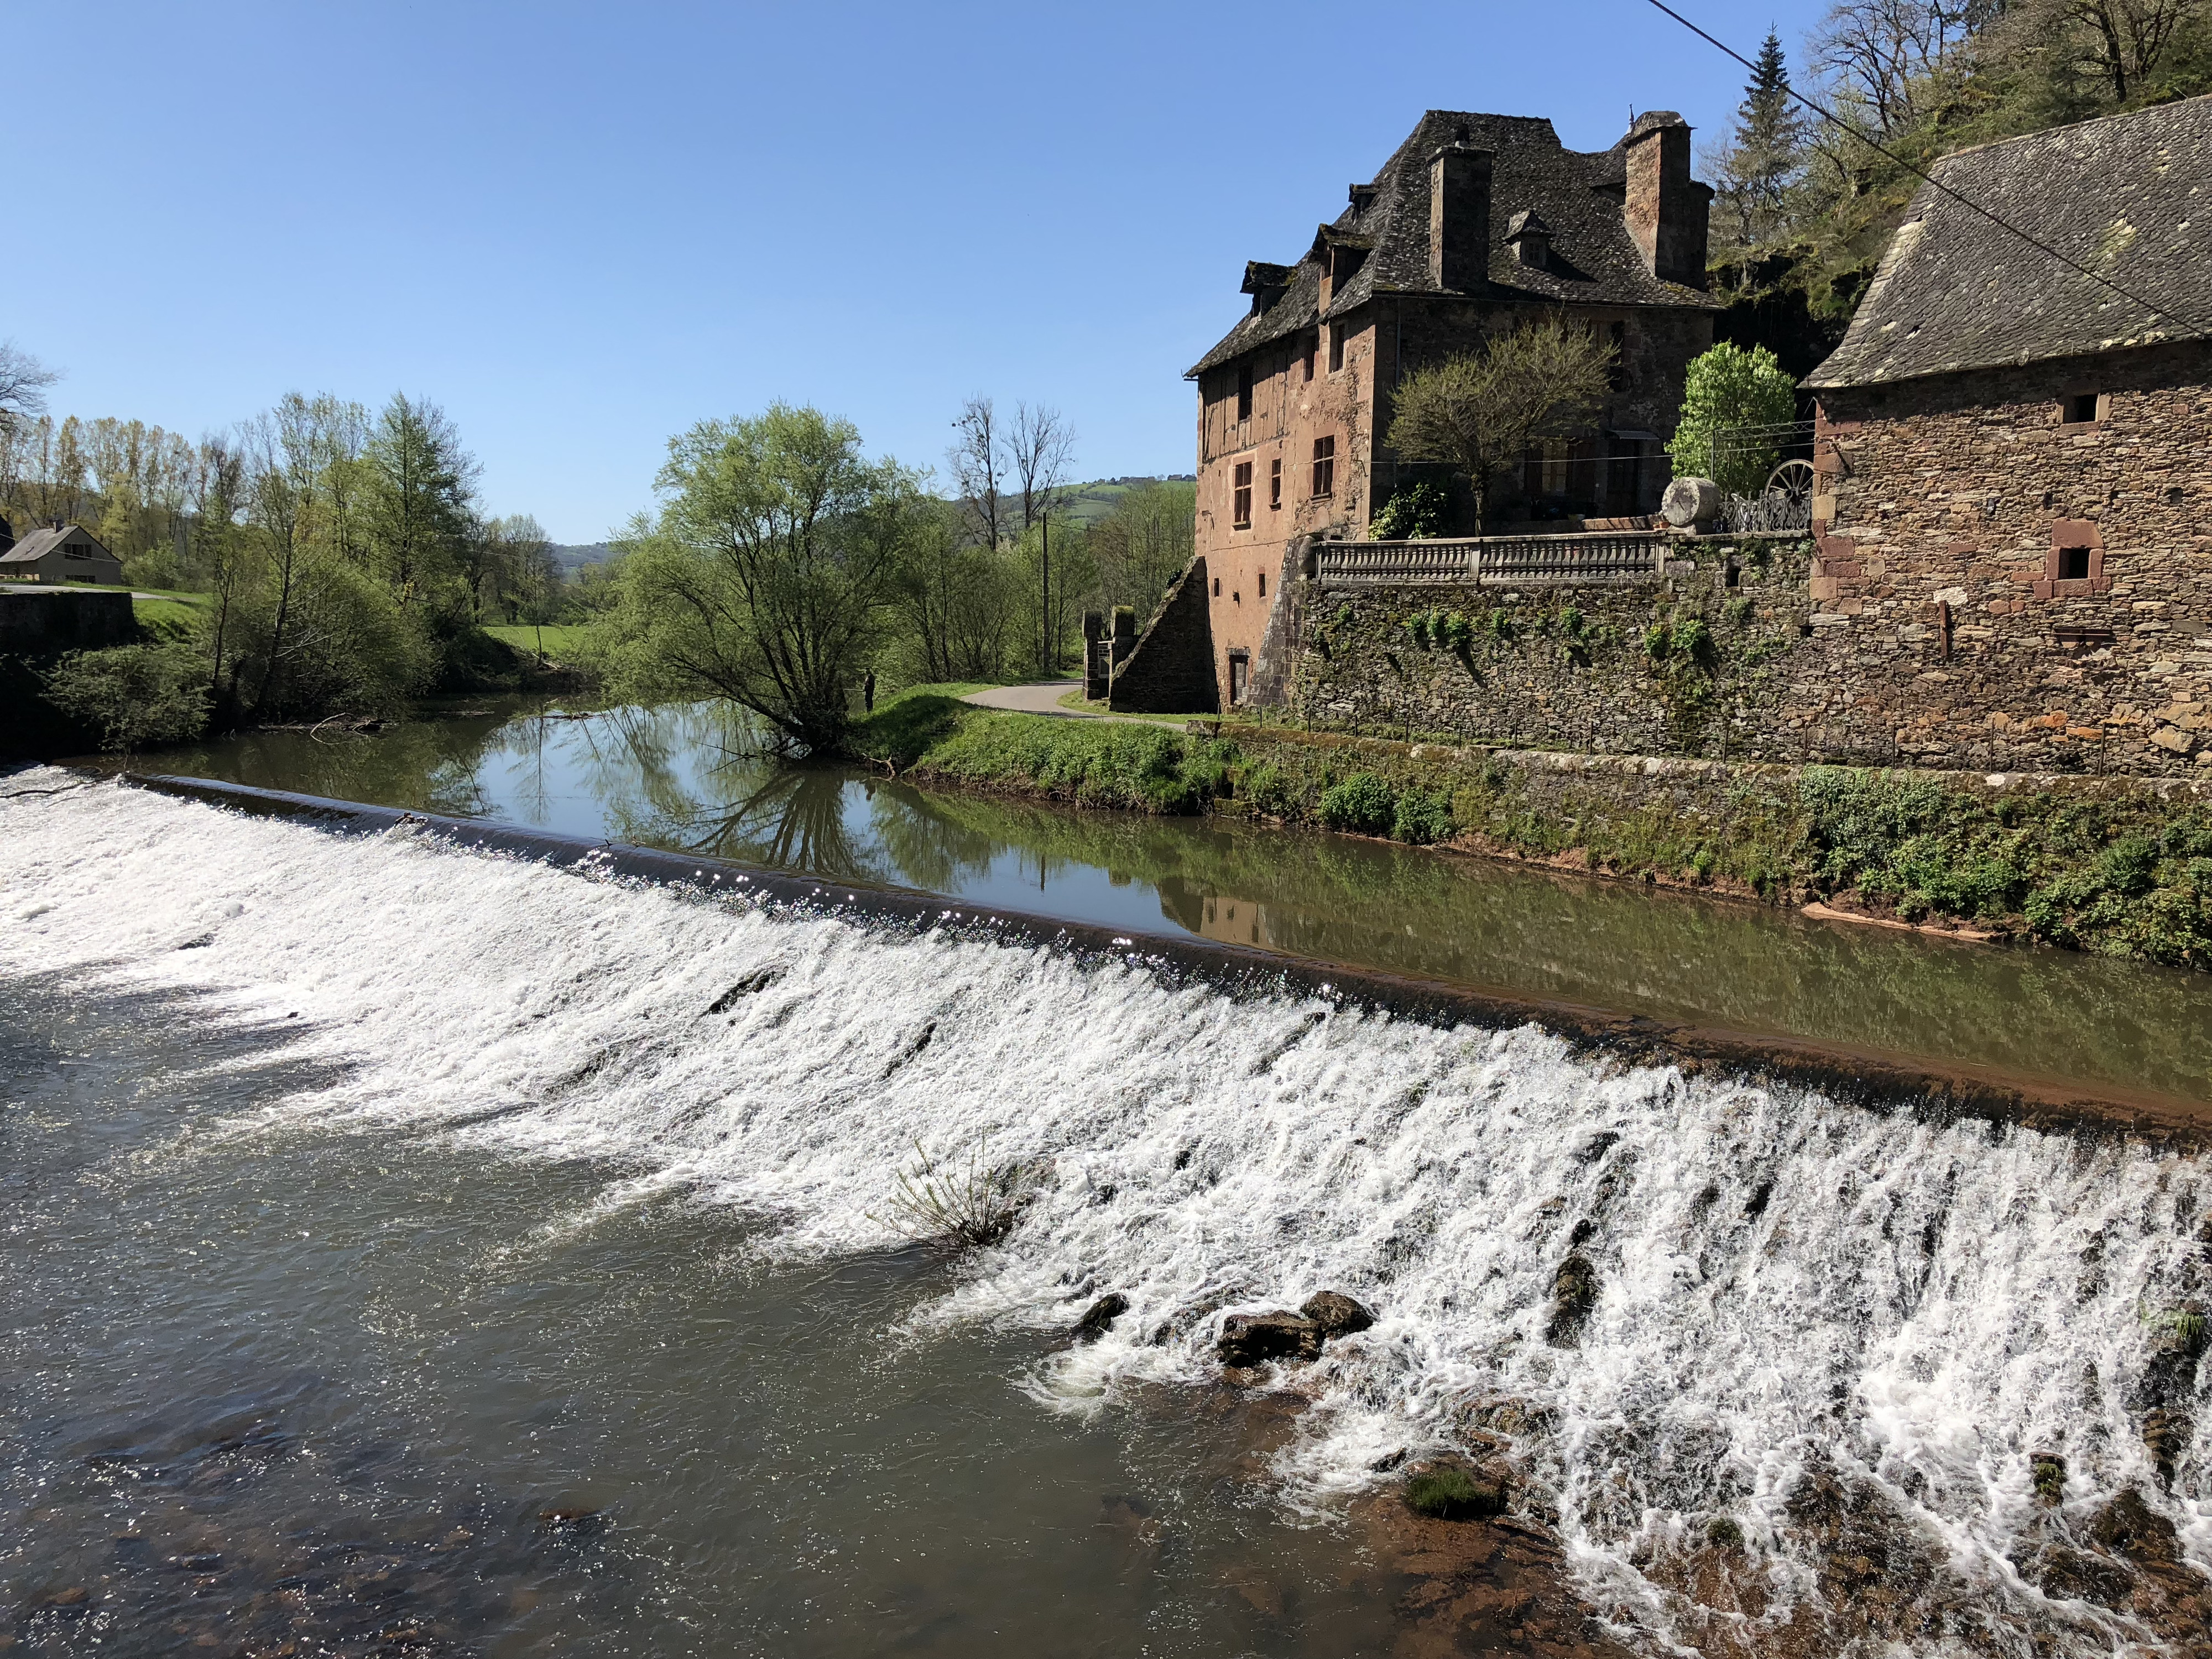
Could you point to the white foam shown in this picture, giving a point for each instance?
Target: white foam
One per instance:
(1912, 1302)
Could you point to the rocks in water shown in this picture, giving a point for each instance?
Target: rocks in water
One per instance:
(1337, 1314)
(1101, 1315)
(1449, 1491)
(1724, 1532)
(2132, 1528)
(1254, 1339)
(1574, 1293)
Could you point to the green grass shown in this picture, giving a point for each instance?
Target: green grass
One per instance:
(560, 640)
(182, 596)
(169, 618)
(1450, 1494)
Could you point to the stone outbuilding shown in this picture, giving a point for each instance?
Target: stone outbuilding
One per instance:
(2013, 457)
(60, 552)
(1476, 221)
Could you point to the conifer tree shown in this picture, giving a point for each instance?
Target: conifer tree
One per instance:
(1759, 168)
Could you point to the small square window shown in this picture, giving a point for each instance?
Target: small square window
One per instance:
(2073, 564)
(1275, 484)
(2081, 408)
(1324, 467)
(1241, 516)
(1244, 393)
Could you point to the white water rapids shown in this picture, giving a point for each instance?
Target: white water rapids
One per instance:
(1785, 1281)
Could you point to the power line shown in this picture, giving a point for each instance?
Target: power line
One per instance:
(1966, 202)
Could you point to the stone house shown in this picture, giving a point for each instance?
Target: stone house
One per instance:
(1476, 221)
(2014, 460)
(59, 553)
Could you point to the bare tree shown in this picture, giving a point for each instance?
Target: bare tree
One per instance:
(1041, 448)
(1481, 413)
(979, 470)
(1887, 57)
(2118, 44)
(23, 381)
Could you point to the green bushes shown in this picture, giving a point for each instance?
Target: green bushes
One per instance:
(1363, 803)
(139, 695)
(1421, 816)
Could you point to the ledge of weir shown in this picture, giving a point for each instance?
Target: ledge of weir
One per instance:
(1928, 1091)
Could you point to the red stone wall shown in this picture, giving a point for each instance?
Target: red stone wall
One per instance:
(1288, 413)
(1941, 589)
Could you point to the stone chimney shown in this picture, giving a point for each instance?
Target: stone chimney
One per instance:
(1459, 217)
(1665, 208)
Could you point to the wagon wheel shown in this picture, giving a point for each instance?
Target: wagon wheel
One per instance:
(1794, 479)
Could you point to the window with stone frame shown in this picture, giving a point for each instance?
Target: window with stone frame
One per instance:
(2081, 408)
(1324, 467)
(1240, 499)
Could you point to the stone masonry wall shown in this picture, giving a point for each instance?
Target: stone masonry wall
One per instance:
(1944, 508)
(1717, 660)
(1171, 669)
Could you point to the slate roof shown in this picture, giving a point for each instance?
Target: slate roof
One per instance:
(39, 542)
(1576, 194)
(2129, 195)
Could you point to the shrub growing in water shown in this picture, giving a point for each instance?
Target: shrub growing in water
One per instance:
(1362, 803)
(950, 1209)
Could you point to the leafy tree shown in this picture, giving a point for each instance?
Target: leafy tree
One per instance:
(1479, 414)
(767, 576)
(418, 481)
(1143, 543)
(1727, 387)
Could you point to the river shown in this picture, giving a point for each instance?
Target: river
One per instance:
(421, 1249)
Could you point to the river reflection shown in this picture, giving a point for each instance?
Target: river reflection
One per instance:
(685, 778)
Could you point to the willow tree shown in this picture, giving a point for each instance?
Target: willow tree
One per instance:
(767, 574)
(1481, 413)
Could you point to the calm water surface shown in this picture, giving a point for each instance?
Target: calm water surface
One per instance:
(679, 778)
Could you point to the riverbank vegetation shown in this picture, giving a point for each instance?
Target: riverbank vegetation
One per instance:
(318, 558)
(2115, 868)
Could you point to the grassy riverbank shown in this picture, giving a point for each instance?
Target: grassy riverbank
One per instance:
(2106, 864)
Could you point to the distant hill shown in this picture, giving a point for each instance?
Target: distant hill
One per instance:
(572, 557)
(1093, 501)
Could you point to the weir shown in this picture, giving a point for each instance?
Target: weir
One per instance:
(1932, 1091)
(1789, 1370)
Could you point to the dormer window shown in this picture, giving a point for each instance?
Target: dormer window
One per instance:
(1530, 238)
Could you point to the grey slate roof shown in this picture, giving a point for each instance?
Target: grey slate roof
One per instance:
(2129, 195)
(1576, 193)
(39, 542)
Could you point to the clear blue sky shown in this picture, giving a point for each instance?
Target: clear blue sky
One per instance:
(581, 228)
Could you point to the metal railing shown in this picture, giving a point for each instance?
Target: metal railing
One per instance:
(1600, 557)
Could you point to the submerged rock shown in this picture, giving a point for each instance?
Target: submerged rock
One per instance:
(1337, 1314)
(1254, 1338)
(1100, 1315)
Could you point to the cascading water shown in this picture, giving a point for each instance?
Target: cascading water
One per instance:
(1846, 1380)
